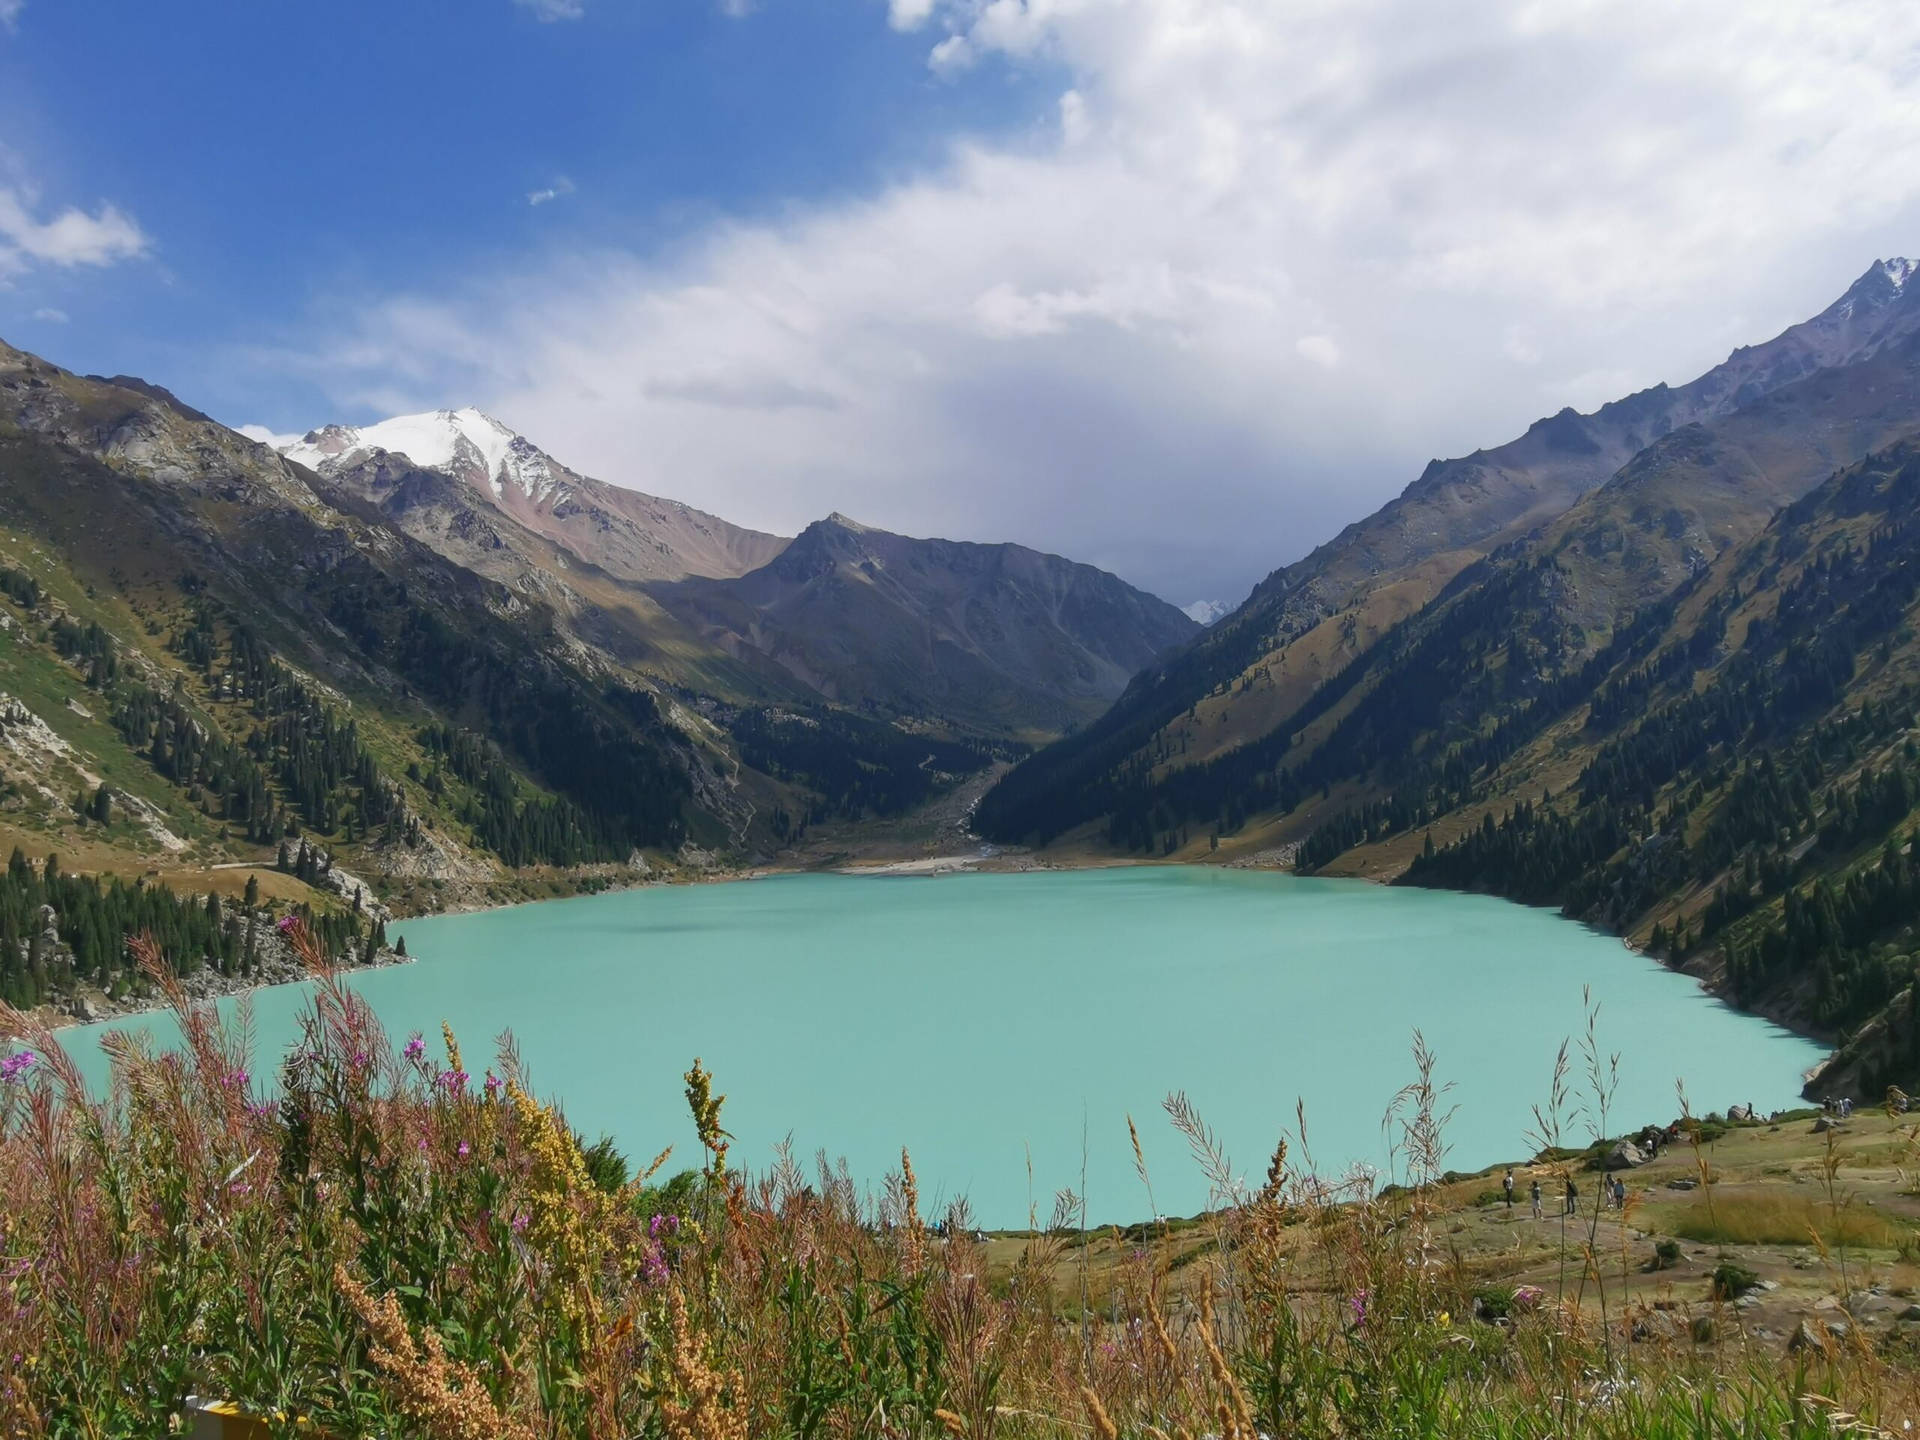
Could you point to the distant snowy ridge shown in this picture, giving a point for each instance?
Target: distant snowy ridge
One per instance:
(1205, 612)
(467, 443)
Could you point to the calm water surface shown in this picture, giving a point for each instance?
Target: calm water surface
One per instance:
(984, 1019)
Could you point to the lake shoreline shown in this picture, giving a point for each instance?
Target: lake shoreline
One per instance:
(1016, 860)
(1122, 948)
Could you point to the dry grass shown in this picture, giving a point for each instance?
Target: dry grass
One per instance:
(1782, 1218)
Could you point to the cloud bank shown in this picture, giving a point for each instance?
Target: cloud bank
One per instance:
(1262, 262)
(70, 238)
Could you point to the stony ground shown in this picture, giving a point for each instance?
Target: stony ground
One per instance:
(1829, 1235)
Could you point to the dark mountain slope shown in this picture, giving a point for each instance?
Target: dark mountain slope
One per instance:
(990, 638)
(1749, 774)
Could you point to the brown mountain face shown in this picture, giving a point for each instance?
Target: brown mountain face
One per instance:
(1689, 497)
(1460, 509)
(996, 638)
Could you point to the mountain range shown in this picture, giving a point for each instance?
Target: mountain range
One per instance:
(434, 654)
(994, 640)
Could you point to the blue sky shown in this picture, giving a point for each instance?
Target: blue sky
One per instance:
(1177, 287)
(286, 158)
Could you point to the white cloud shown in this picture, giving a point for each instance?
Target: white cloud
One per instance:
(1320, 349)
(72, 237)
(1075, 125)
(1520, 346)
(267, 437)
(736, 9)
(909, 14)
(10, 12)
(549, 11)
(1111, 335)
(560, 186)
(50, 315)
(950, 56)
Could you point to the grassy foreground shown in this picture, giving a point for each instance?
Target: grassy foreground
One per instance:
(399, 1247)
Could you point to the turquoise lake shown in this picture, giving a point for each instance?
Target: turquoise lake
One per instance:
(986, 1021)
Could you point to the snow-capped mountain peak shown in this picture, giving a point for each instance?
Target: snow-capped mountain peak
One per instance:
(1899, 270)
(466, 443)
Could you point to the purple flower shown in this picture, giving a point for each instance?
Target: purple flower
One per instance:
(287, 922)
(464, 1150)
(493, 1083)
(260, 1111)
(359, 1059)
(415, 1047)
(653, 1265)
(520, 1223)
(14, 1066)
(1359, 1303)
(235, 1080)
(663, 1225)
(452, 1081)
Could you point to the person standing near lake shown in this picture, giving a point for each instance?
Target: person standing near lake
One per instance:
(1535, 1192)
(1506, 1184)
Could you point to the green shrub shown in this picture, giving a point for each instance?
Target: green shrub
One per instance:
(1731, 1281)
(1494, 1303)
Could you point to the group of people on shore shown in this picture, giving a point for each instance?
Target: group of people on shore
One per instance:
(1613, 1194)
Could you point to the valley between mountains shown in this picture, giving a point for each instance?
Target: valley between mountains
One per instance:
(1655, 665)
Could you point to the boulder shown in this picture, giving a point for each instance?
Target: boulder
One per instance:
(1811, 1334)
(1625, 1156)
